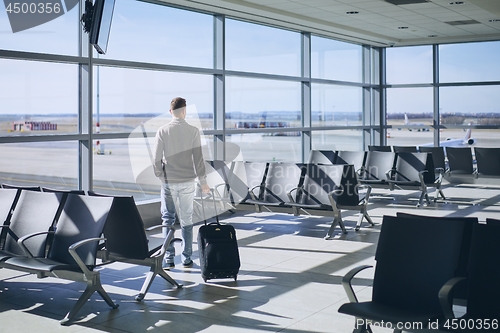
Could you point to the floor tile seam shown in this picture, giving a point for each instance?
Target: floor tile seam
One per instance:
(257, 304)
(304, 251)
(273, 282)
(266, 300)
(224, 323)
(49, 315)
(315, 313)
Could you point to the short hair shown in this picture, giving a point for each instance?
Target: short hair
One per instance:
(177, 105)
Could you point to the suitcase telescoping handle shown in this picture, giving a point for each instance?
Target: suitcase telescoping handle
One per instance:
(211, 194)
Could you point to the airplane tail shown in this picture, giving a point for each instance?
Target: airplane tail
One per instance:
(468, 134)
(406, 119)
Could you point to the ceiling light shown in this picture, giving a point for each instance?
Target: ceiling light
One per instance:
(352, 12)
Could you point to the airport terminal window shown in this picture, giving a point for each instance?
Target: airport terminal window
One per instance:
(33, 102)
(410, 111)
(331, 59)
(469, 62)
(128, 98)
(152, 33)
(268, 147)
(409, 65)
(335, 105)
(59, 36)
(338, 140)
(48, 164)
(463, 105)
(123, 167)
(261, 103)
(261, 49)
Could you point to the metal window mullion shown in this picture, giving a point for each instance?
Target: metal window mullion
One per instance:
(219, 88)
(85, 157)
(367, 105)
(435, 83)
(382, 138)
(306, 94)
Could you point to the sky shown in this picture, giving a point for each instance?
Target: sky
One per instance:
(157, 34)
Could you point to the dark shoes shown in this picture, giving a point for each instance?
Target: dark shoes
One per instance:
(188, 264)
(168, 265)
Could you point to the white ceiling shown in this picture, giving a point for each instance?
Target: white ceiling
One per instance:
(377, 23)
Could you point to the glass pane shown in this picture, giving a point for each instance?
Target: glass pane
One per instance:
(123, 166)
(336, 60)
(405, 137)
(46, 164)
(410, 108)
(469, 62)
(257, 48)
(127, 98)
(409, 64)
(259, 103)
(33, 102)
(336, 105)
(149, 32)
(338, 140)
(474, 104)
(59, 36)
(283, 147)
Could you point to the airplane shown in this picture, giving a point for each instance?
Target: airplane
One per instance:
(417, 126)
(466, 141)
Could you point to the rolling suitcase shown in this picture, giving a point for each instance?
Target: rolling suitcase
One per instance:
(219, 255)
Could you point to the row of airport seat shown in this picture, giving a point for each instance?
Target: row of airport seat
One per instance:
(387, 169)
(67, 235)
(420, 275)
(475, 162)
(295, 188)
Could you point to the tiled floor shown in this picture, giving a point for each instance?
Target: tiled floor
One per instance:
(289, 280)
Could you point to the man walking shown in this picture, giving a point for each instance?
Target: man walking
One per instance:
(178, 161)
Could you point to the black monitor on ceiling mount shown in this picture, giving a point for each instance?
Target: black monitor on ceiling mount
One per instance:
(97, 22)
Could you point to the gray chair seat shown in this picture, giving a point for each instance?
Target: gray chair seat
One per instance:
(389, 314)
(35, 265)
(312, 206)
(267, 203)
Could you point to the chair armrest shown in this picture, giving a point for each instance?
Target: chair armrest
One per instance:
(439, 178)
(72, 250)
(360, 172)
(421, 176)
(445, 294)
(337, 191)
(333, 202)
(289, 194)
(21, 241)
(166, 242)
(347, 279)
(158, 227)
(367, 194)
(252, 194)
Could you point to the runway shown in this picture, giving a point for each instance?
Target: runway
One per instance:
(55, 164)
